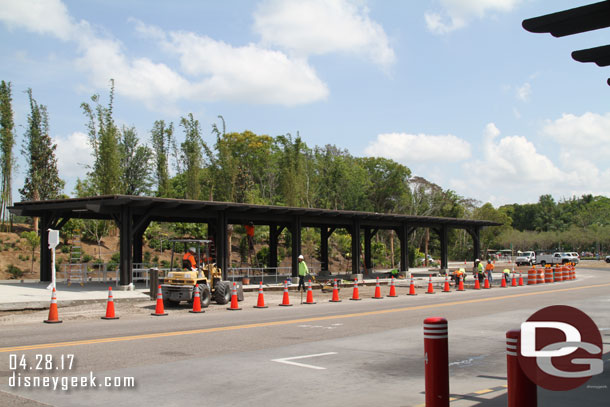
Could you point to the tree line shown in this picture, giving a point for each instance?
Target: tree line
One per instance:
(183, 161)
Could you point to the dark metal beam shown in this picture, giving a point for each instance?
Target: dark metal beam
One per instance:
(572, 21)
(221, 243)
(355, 231)
(125, 246)
(295, 230)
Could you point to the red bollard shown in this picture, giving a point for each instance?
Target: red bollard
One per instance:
(436, 356)
(521, 391)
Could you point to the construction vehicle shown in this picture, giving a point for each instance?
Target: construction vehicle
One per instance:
(179, 284)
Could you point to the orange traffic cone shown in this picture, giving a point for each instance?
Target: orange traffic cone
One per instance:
(503, 283)
(412, 288)
(53, 314)
(335, 293)
(377, 291)
(234, 305)
(520, 280)
(261, 298)
(461, 284)
(486, 283)
(197, 301)
(110, 306)
(355, 294)
(286, 298)
(446, 288)
(309, 299)
(159, 310)
(477, 285)
(430, 287)
(513, 281)
(392, 289)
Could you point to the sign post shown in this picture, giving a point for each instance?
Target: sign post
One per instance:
(53, 242)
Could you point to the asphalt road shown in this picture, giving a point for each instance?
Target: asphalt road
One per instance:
(352, 353)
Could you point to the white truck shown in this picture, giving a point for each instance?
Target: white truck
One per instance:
(556, 258)
(526, 258)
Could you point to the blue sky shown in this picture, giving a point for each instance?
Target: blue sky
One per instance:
(456, 90)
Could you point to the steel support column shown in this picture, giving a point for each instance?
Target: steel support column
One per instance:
(273, 239)
(444, 237)
(476, 243)
(125, 246)
(295, 230)
(355, 246)
(403, 237)
(45, 253)
(221, 242)
(325, 233)
(367, 249)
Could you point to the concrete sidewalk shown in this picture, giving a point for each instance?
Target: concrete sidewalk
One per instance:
(15, 295)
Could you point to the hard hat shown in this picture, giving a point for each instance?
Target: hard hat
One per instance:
(192, 250)
(477, 260)
(462, 270)
(301, 257)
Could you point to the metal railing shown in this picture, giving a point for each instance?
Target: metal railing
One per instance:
(277, 274)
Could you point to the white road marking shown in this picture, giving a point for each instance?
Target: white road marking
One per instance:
(288, 360)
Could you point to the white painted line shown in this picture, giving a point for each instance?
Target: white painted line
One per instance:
(288, 360)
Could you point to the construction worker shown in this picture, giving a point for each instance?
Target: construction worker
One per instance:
(478, 270)
(460, 273)
(250, 235)
(303, 271)
(506, 275)
(489, 268)
(188, 260)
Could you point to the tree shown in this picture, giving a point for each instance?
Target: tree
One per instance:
(292, 172)
(192, 156)
(162, 141)
(7, 141)
(104, 139)
(42, 180)
(33, 240)
(489, 235)
(136, 178)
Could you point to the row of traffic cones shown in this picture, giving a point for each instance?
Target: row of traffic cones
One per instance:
(160, 310)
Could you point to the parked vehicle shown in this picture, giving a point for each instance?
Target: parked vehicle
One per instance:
(607, 259)
(526, 258)
(556, 258)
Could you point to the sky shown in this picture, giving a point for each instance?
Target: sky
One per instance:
(456, 90)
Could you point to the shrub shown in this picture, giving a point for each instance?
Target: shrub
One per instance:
(87, 258)
(14, 271)
(116, 257)
(65, 249)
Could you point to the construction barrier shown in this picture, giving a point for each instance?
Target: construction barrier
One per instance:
(159, 309)
(520, 280)
(412, 288)
(461, 284)
(540, 276)
(286, 297)
(513, 281)
(486, 283)
(377, 291)
(335, 297)
(309, 300)
(234, 302)
(556, 274)
(53, 314)
(355, 294)
(548, 275)
(430, 287)
(392, 289)
(531, 276)
(446, 287)
(522, 391)
(477, 284)
(436, 357)
(110, 306)
(260, 303)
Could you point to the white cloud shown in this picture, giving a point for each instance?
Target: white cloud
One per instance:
(249, 73)
(588, 133)
(524, 92)
(216, 71)
(73, 155)
(514, 170)
(419, 147)
(41, 16)
(317, 27)
(457, 14)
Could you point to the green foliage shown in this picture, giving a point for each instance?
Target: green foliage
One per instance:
(33, 240)
(116, 257)
(42, 180)
(262, 256)
(7, 159)
(136, 168)
(14, 272)
(191, 155)
(104, 138)
(162, 142)
(86, 258)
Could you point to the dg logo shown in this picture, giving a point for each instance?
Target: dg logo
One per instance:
(561, 348)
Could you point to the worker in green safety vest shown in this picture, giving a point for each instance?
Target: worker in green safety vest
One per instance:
(303, 270)
(506, 275)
